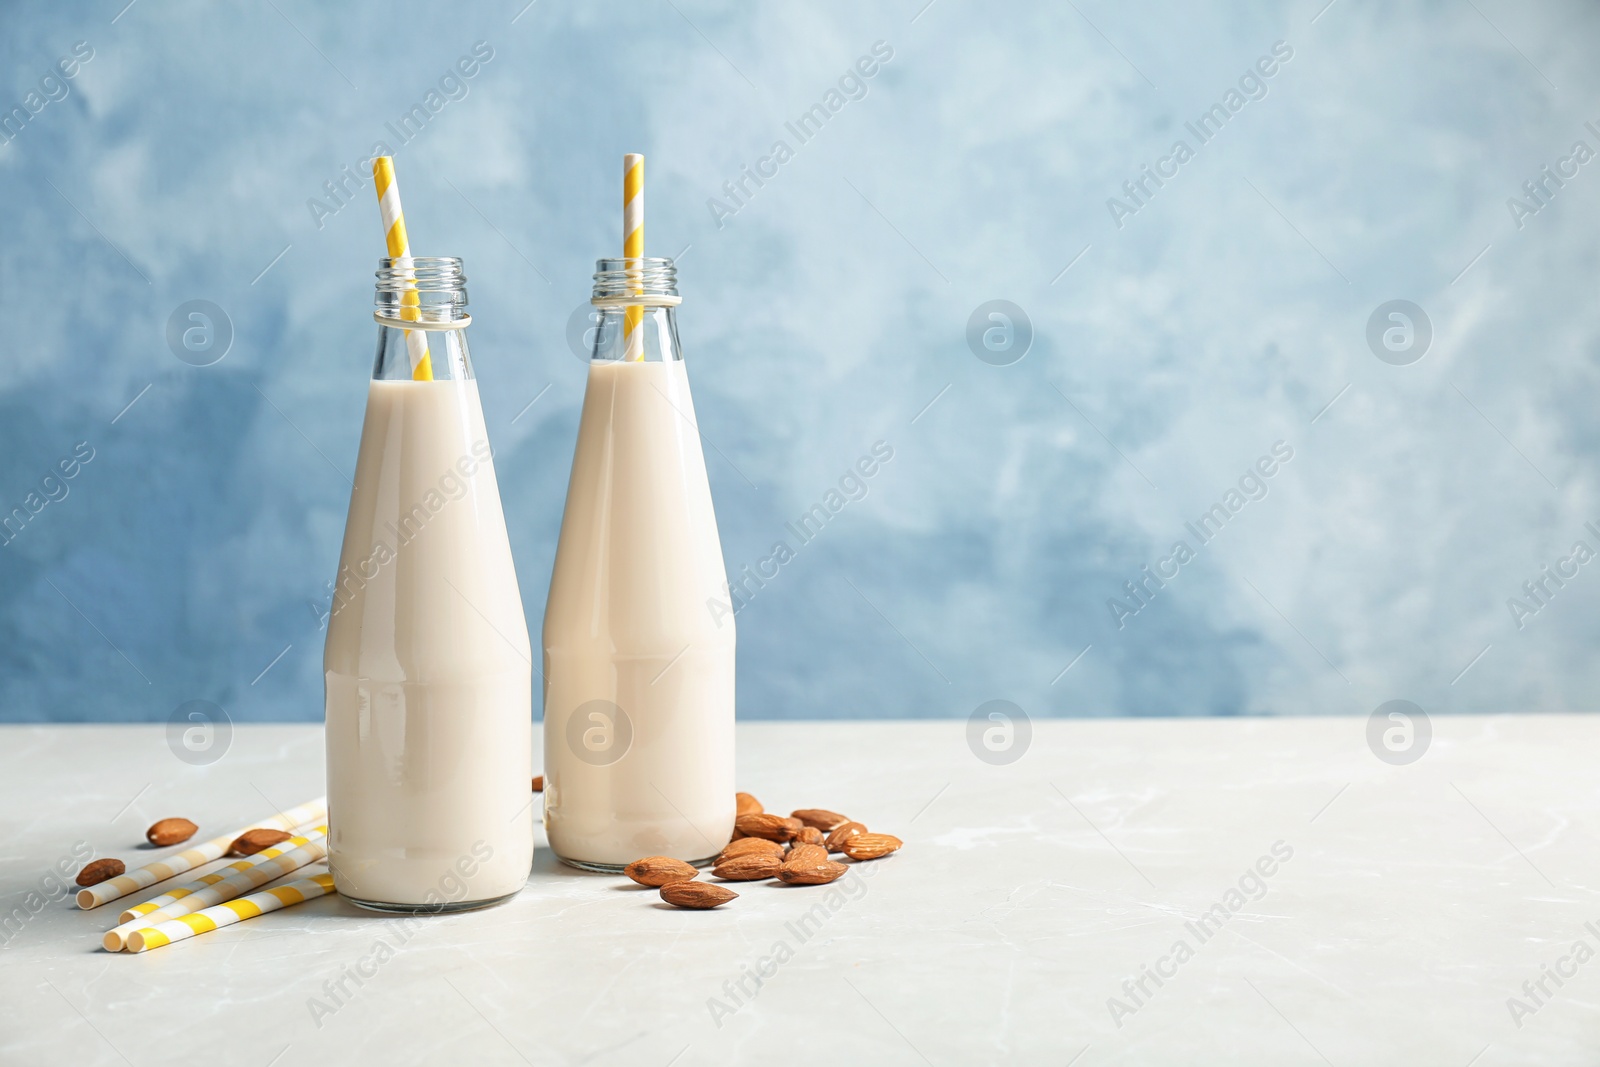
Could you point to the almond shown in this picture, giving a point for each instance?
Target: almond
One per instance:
(750, 846)
(871, 846)
(252, 841)
(820, 872)
(538, 783)
(748, 868)
(821, 818)
(698, 895)
(810, 835)
(657, 871)
(745, 804)
(806, 854)
(98, 871)
(771, 827)
(842, 834)
(170, 831)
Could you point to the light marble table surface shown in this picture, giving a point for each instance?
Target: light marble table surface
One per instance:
(1360, 913)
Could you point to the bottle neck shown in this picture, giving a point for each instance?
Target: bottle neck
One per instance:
(636, 303)
(431, 292)
(654, 336)
(402, 351)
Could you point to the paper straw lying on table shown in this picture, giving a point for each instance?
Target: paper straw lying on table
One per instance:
(202, 922)
(225, 888)
(302, 834)
(190, 858)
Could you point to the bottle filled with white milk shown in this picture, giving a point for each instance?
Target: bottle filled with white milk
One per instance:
(427, 664)
(638, 666)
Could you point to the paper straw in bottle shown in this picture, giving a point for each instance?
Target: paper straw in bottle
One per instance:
(236, 884)
(190, 858)
(633, 249)
(399, 244)
(202, 922)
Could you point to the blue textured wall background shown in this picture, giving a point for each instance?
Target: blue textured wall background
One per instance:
(1223, 315)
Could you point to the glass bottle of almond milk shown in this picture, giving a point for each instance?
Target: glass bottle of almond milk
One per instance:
(638, 666)
(427, 664)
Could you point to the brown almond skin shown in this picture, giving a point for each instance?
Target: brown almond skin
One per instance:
(819, 873)
(842, 834)
(697, 895)
(821, 818)
(745, 804)
(806, 854)
(871, 846)
(98, 871)
(657, 871)
(771, 827)
(748, 846)
(170, 832)
(252, 841)
(749, 868)
(810, 835)
(538, 783)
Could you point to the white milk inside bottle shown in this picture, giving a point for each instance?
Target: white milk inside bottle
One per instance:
(427, 664)
(638, 663)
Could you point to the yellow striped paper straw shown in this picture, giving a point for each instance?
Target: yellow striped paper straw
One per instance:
(234, 885)
(203, 922)
(633, 248)
(394, 234)
(301, 837)
(190, 858)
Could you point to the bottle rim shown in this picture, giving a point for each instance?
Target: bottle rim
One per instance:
(635, 276)
(426, 288)
(420, 273)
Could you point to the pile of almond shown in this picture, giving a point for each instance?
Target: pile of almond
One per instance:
(757, 852)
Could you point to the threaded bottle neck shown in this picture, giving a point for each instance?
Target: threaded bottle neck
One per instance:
(424, 288)
(634, 277)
